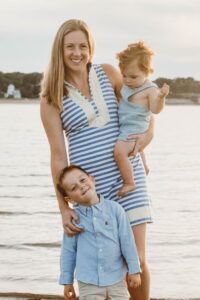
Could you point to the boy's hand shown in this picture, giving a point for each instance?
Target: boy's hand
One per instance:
(69, 292)
(164, 91)
(134, 280)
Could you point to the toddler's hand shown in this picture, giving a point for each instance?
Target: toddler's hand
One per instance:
(134, 280)
(164, 91)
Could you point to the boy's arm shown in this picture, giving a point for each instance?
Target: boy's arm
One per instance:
(68, 259)
(127, 242)
(157, 98)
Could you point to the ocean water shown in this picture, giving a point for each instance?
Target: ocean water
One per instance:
(30, 223)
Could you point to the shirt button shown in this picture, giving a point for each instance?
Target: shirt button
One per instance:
(100, 268)
(94, 218)
(100, 250)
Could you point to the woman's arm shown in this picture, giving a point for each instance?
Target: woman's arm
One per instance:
(115, 78)
(142, 140)
(50, 116)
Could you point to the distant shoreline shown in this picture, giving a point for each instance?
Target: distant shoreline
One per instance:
(169, 101)
(21, 101)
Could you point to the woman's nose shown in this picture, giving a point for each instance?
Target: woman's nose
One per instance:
(77, 51)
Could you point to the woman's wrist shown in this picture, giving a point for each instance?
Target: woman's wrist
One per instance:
(63, 205)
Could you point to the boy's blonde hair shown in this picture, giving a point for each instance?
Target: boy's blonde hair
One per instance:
(52, 85)
(136, 52)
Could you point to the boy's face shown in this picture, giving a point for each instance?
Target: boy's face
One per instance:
(133, 77)
(80, 187)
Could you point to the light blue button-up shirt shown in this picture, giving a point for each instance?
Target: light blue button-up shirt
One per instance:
(104, 251)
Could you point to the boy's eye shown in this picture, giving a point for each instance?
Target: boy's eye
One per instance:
(83, 179)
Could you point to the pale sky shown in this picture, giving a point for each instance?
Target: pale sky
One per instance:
(170, 27)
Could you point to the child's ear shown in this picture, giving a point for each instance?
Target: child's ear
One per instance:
(68, 199)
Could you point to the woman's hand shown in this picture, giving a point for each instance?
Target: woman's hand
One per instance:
(142, 140)
(67, 216)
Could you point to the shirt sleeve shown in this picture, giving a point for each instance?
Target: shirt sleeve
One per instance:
(68, 259)
(127, 242)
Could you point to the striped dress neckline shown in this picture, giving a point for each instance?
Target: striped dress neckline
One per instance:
(96, 96)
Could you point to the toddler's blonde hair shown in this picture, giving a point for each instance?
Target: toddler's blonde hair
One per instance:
(139, 52)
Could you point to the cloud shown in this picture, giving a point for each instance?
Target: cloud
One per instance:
(171, 28)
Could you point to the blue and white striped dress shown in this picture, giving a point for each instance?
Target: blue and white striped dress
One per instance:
(92, 129)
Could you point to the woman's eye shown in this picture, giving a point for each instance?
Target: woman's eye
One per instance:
(68, 46)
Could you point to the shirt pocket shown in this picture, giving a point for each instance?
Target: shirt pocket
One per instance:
(107, 222)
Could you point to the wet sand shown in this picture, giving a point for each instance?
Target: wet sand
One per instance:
(30, 296)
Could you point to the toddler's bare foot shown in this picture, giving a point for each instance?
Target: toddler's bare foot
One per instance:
(126, 188)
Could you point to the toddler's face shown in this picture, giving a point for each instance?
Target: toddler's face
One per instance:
(80, 187)
(133, 77)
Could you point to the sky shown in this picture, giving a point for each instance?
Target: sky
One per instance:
(170, 27)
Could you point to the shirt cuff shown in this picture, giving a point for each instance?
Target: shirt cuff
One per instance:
(66, 278)
(134, 267)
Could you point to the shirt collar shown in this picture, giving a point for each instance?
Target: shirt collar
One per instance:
(97, 206)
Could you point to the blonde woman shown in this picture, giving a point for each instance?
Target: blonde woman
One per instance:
(79, 98)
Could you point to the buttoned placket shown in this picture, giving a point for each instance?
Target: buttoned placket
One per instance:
(95, 218)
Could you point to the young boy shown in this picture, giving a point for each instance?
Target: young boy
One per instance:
(104, 251)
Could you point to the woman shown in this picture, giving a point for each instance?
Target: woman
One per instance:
(81, 99)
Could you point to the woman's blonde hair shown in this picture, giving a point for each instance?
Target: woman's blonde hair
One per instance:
(52, 85)
(136, 52)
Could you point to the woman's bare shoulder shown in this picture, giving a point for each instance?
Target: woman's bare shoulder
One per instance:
(115, 78)
(111, 71)
(48, 107)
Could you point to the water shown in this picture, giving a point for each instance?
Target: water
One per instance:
(30, 224)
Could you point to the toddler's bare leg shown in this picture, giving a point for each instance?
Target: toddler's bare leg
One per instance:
(121, 152)
(144, 162)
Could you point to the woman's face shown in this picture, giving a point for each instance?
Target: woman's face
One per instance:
(76, 51)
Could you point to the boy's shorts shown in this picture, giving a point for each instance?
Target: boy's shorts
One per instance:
(116, 291)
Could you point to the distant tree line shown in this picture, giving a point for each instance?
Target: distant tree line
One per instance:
(181, 87)
(29, 84)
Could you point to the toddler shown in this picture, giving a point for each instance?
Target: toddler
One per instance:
(140, 98)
